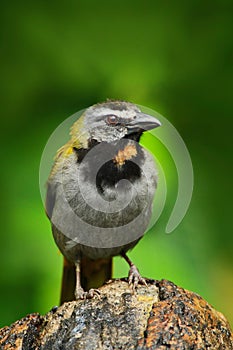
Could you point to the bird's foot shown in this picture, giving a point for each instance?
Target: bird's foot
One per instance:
(135, 278)
(81, 294)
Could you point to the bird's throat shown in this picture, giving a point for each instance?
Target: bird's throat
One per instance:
(113, 161)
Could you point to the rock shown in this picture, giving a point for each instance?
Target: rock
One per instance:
(160, 316)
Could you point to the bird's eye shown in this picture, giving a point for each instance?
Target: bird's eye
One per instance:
(112, 120)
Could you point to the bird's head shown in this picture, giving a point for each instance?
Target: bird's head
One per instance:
(111, 121)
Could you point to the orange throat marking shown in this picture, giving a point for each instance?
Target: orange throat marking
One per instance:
(127, 153)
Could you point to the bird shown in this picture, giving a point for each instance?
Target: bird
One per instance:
(100, 195)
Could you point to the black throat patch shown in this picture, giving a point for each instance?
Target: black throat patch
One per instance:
(111, 162)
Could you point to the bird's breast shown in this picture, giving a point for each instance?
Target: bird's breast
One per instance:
(104, 198)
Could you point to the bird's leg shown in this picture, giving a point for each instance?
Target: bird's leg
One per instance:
(79, 291)
(134, 276)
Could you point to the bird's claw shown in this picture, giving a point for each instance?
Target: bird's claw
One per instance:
(135, 278)
(81, 294)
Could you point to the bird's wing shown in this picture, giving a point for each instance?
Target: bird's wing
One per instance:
(62, 154)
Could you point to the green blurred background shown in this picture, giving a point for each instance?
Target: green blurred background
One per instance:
(57, 58)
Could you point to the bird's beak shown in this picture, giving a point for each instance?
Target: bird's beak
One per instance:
(142, 122)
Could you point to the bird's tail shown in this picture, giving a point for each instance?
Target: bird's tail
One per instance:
(68, 281)
(94, 273)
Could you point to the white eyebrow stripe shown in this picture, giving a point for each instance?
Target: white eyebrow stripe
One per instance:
(108, 111)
